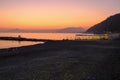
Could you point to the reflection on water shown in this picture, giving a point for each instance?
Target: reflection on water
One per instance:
(8, 44)
(51, 36)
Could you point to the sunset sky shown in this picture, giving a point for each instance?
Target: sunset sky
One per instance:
(55, 14)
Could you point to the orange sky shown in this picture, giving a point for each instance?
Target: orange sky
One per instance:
(55, 14)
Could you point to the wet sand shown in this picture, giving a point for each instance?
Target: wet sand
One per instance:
(62, 60)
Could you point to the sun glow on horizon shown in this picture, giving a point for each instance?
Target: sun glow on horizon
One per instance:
(30, 14)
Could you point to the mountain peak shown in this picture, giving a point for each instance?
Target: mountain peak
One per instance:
(72, 30)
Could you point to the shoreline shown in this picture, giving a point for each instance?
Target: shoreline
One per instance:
(52, 41)
(14, 51)
(6, 44)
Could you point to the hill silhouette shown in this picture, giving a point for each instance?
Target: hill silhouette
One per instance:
(71, 30)
(111, 24)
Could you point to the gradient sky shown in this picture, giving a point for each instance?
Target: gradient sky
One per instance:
(55, 14)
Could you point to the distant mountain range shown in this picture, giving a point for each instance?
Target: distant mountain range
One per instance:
(111, 24)
(71, 30)
(65, 30)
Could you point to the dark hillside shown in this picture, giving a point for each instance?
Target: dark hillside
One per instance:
(111, 24)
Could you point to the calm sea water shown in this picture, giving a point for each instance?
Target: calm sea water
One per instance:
(9, 44)
(52, 36)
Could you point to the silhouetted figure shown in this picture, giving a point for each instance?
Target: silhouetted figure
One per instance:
(19, 36)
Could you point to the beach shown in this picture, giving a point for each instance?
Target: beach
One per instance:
(62, 60)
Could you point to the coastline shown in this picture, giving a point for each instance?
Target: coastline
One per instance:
(62, 60)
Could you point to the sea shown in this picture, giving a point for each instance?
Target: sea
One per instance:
(51, 36)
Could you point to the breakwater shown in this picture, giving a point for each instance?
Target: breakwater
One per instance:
(23, 39)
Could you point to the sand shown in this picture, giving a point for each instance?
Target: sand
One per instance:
(62, 60)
